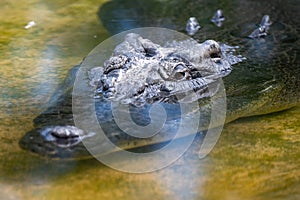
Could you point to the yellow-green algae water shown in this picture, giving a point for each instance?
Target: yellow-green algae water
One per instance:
(255, 158)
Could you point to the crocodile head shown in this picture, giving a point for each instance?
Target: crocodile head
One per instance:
(140, 71)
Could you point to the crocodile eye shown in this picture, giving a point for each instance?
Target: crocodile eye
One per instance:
(179, 72)
(179, 75)
(179, 68)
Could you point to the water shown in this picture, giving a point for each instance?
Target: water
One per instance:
(256, 158)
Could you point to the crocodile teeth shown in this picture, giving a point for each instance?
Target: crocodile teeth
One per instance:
(216, 60)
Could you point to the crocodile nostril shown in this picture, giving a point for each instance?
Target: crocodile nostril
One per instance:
(213, 46)
(179, 75)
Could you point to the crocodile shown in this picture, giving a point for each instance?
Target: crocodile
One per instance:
(141, 73)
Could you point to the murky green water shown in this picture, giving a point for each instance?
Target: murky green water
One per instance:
(256, 158)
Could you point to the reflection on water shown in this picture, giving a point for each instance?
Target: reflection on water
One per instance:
(185, 179)
(256, 158)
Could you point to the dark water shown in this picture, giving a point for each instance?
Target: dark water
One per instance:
(256, 158)
(271, 61)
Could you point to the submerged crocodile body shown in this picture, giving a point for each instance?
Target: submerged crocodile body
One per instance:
(141, 73)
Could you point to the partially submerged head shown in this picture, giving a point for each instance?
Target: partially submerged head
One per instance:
(140, 71)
